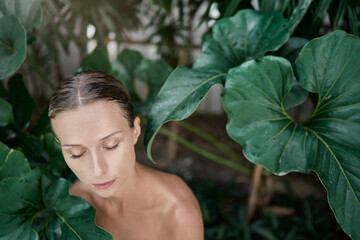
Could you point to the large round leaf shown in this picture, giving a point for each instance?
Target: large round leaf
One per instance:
(12, 45)
(42, 203)
(12, 163)
(246, 35)
(328, 143)
(29, 12)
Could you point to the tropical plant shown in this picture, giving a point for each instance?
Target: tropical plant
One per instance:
(285, 217)
(258, 91)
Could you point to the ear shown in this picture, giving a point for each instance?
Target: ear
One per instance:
(136, 129)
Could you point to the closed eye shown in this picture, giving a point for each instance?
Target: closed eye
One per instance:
(76, 156)
(113, 147)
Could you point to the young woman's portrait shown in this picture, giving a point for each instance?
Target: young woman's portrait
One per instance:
(92, 118)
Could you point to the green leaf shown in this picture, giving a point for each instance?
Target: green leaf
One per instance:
(29, 12)
(123, 68)
(296, 96)
(299, 12)
(42, 202)
(97, 60)
(153, 73)
(6, 116)
(328, 143)
(21, 100)
(291, 49)
(244, 36)
(12, 163)
(12, 45)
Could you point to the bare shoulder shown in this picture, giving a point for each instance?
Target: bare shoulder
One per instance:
(183, 218)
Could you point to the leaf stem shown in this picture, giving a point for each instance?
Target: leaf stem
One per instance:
(223, 147)
(211, 156)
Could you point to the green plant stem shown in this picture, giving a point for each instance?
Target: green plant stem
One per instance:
(223, 147)
(40, 74)
(236, 166)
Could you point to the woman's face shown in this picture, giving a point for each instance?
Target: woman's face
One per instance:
(98, 145)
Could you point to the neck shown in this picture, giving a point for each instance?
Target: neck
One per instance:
(131, 194)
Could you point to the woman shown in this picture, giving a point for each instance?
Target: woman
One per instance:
(93, 120)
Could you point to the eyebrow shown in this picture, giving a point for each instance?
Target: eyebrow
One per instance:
(102, 139)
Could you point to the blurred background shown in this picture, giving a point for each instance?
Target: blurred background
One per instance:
(73, 32)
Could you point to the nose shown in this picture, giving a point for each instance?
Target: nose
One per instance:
(99, 164)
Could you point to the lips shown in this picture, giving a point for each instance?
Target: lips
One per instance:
(104, 185)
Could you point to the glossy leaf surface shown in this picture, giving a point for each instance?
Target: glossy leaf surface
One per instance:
(244, 36)
(328, 143)
(12, 45)
(41, 202)
(12, 163)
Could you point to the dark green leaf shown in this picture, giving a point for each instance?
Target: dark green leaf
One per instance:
(98, 60)
(21, 100)
(6, 116)
(12, 45)
(246, 35)
(267, 6)
(43, 201)
(124, 69)
(153, 73)
(291, 49)
(295, 97)
(42, 125)
(33, 149)
(179, 97)
(353, 17)
(328, 143)
(12, 163)
(299, 12)
(328, 67)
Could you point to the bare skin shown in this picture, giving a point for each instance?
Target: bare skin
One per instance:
(136, 202)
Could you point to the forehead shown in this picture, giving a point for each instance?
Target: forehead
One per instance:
(90, 121)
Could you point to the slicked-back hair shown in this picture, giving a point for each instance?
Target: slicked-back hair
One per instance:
(88, 87)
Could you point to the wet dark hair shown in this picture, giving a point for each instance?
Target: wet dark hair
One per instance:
(88, 87)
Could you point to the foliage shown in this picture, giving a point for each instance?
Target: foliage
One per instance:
(130, 66)
(68, 20)
(35, 203)
(256, 89)
(185, 88)
(327, 143)
(38, 204)
(224, 212)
